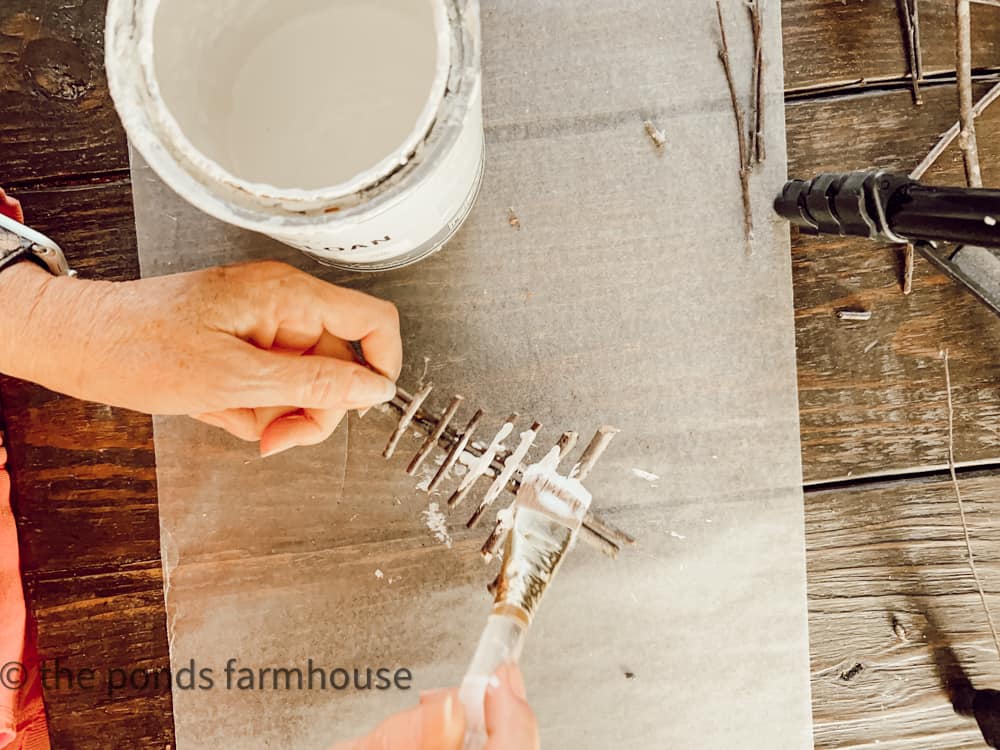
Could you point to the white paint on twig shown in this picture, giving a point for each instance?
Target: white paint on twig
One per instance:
(437, 524)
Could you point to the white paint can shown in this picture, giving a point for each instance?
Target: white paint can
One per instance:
(350, 129)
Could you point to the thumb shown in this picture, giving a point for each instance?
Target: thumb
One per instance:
(438, 723)
(314, 382)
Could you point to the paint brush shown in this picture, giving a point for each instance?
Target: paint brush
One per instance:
(546, 518)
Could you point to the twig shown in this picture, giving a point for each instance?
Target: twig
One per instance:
(757, 146)
(511, 465)
(861, 315)
(456, 451)
(513, 219)
(949, 137)
(594, 450)
(410, 411)
(961, 504)
(741, 132)
(433, 437)
(967, 134)
(910, 17)
(657, 136)
(908, 263)
(930, 160)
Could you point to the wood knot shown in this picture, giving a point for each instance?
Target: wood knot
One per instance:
(849, 674)
(57, 69)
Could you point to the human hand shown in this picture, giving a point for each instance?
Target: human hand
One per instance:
(261, 350)
(438, 723)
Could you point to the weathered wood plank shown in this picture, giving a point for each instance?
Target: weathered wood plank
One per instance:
(58, 120)
(841, 41)
(894, 552)
(872, 394)
(112, 624)
(84, 483)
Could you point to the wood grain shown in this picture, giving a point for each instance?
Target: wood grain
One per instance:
(889, 552)
(883, 410)
(84, 484)
(830, 42)
(58, 120)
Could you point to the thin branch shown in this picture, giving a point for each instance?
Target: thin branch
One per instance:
(949, 137)
(757, 151)
(930, 160)
(994, 3)
(961, 504)
(741, 132)
(910, 16)
(967, 134)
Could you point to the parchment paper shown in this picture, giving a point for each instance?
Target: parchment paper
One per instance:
(626, 298)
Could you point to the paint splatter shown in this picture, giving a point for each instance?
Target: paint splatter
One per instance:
(648, 476)
(379, 574)
(675, 535)
(437, 523)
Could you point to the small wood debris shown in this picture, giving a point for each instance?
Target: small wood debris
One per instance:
(854, 314)
(657, 136)
(513, 219)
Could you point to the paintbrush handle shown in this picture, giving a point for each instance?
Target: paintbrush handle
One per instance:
(500, 644)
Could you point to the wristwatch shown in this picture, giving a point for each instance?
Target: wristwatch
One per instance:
(18, 242)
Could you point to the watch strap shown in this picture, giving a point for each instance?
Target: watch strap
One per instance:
(18, 242)
(15, 256)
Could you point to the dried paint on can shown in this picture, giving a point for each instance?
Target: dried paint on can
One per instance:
(349, 129)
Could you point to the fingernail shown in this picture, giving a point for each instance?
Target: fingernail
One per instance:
(368, 388)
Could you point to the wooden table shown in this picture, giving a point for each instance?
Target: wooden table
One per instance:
(886, 555)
